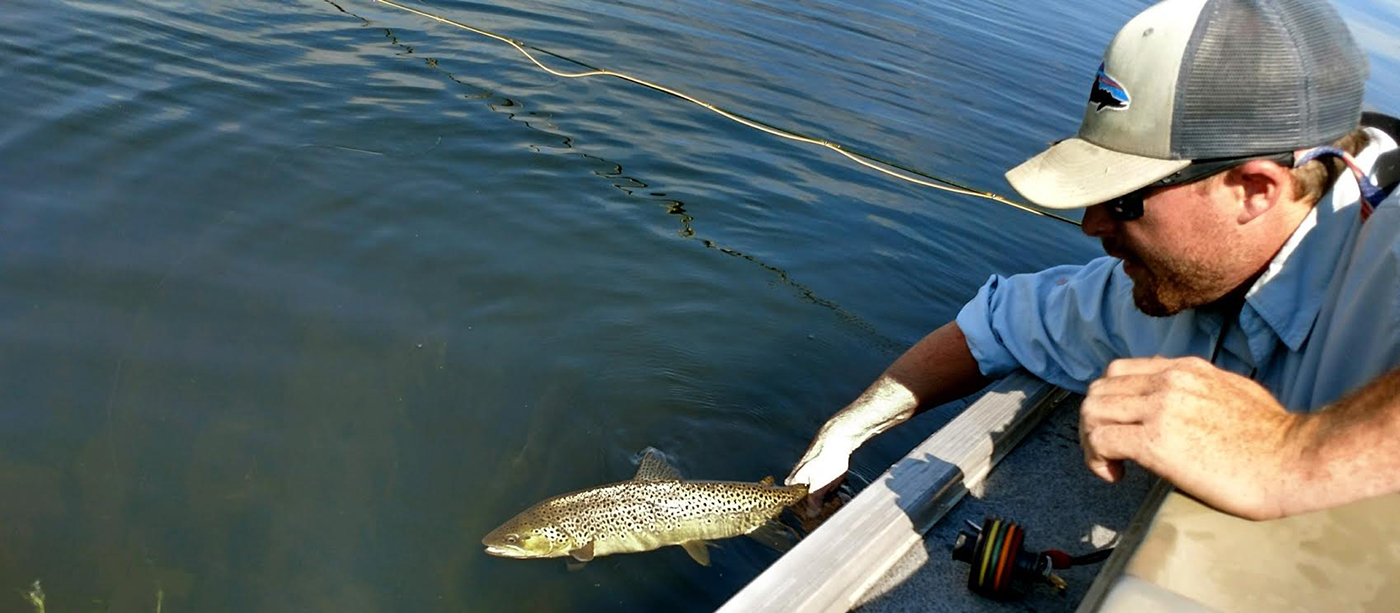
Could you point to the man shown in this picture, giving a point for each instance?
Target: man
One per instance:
(1242, 254)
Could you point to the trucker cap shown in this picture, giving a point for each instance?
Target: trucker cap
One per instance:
(1191, 80)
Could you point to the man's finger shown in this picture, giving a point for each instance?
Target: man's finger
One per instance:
(802, 476)
(1125, 385)
(820, 473)
(1105, 447)
(1100, 409)
(817, 498)
(1139, 366)
(802, 472)
(792, 476)
(822, 492)
(1108, 470)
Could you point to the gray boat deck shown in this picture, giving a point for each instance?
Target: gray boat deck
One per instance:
(1041, 485)
(1016, 451)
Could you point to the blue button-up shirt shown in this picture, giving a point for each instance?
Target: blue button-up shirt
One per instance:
(1322, 320)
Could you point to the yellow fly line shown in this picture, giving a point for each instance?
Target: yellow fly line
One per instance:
(886, 167)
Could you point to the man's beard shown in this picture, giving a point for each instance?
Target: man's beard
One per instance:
(1166, 285)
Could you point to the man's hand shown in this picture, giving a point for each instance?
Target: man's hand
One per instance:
(937, 369)
(822, 468)
(1213, 434)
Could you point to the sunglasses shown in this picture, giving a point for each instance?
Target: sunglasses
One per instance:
(1129, 206)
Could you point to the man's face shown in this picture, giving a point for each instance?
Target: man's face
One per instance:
(1179, 253)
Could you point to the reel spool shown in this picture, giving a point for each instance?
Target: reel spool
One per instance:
(1001, 568)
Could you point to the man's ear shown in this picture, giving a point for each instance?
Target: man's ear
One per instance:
(1261, 185)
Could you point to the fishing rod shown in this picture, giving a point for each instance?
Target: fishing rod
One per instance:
(905, 173)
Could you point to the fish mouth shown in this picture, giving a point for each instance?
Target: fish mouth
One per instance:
(506, 552)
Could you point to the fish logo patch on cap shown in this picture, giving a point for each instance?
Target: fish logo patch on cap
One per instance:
(1108, 93)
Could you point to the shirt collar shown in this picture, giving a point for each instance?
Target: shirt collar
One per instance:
(1289, 294)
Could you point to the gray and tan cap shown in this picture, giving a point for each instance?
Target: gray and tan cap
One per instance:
(1200, 79)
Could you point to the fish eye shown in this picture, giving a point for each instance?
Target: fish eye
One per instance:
(512, 539)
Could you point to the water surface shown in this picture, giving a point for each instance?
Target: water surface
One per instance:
(302, 298)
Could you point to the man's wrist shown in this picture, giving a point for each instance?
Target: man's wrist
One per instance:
(861, 422)
(847, 431)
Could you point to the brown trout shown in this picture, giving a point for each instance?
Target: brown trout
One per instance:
(655, 509)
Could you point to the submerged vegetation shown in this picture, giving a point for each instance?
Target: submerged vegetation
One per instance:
(35, 597)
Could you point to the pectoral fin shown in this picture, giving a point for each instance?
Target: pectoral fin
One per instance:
(698, 551)
(584, 553)
(775, 535)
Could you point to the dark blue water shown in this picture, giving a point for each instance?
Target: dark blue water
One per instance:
(301, 298)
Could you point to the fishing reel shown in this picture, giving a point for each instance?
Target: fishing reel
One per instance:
(1002, 569)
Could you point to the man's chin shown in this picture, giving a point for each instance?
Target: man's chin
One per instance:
(1149, 302)
(1164, 295)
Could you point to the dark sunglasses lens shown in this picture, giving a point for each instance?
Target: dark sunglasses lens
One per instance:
(1125, 208)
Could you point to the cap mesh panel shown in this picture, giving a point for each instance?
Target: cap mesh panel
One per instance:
(1266, 75)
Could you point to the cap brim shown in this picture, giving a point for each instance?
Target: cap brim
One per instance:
(1075, 173)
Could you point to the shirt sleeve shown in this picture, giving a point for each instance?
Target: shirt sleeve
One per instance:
(1063, 324)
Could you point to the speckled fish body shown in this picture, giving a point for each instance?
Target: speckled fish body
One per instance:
(652, 511)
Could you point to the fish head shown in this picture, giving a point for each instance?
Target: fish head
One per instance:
(522, 538)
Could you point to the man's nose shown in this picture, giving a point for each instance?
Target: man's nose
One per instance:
(1097, 222)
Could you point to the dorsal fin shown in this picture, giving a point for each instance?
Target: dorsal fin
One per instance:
(766, 480)
(653, 467)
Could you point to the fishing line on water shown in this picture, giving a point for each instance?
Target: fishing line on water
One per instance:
(674, 207)
(884, 166)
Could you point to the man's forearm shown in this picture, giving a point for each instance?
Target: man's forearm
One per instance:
(937, 369)
(1349, 450)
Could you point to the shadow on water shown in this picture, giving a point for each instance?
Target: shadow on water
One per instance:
(633, 187)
